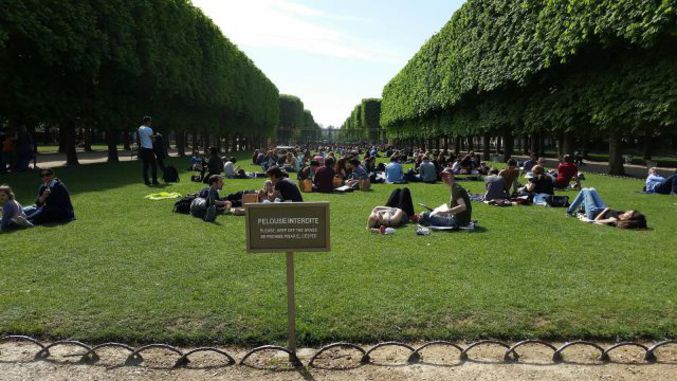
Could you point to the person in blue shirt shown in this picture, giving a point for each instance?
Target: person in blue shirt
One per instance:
(394, 172)
(358, 175)
(656, 183)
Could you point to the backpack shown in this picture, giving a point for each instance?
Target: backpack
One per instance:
(183, 205)
(171, 175)
(557, 201)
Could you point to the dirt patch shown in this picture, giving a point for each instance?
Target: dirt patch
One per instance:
(437, 362)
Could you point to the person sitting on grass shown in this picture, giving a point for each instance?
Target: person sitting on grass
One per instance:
(529, 164)
(427, 171)
(208, 204)
(656, 183)
(214, 165)
(456, 213)
(324, 177)
(566, 172)
(495, 186)
(54, 202)
(510, 175)
(233, 171)
(397, 211)
(13, 216)
(540, 186)
(394, 171)
(358, 178)
(591, 204)
(278, 187)
(308, 172)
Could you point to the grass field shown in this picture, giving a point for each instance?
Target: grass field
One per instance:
(129, 269)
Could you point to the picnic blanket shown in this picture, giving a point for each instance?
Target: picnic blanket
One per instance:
(469, 227)
(162, 196)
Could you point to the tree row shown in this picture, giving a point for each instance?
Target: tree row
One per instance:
(102, 64)
(570, 70)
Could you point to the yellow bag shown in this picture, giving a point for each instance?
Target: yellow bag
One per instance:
(306, 186)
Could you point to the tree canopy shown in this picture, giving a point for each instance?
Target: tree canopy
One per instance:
(531, 66)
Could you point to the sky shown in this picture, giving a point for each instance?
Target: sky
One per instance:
(329, 53)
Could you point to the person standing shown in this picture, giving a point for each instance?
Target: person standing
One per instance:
(160, 150)
(146, 150)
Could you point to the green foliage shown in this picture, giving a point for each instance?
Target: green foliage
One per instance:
(539, 65)
(110, 62)
(364, 122)
(292, 117)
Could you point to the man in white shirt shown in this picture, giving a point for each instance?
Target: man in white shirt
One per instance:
(146, 150)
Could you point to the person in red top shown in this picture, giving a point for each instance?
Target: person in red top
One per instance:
(566, 171)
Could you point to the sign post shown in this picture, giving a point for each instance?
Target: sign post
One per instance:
(291, 306)
(288, 228)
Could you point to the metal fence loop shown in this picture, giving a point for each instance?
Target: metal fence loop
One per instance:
(184, 361)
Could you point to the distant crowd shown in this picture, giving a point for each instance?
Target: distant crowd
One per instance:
(348, 168)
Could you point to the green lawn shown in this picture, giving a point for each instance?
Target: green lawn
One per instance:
(129, 269)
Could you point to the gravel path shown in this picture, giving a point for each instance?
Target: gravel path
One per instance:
(389, 363)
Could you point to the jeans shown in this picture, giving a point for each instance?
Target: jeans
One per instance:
(668, 185)
(589, 199)
(539, 199)
(429, 220)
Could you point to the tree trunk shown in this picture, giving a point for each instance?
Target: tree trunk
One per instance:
(71, 154)
(126, 140)
(533, 144)
(471, 143)
(568, 143)
(111, 141)
(87, 139)
(196, 149)
(486, 153)
(457, 145)
(181, 143)
(218, 143)
(62, 140)
(648, 144)
(508, 143)
(615, 154)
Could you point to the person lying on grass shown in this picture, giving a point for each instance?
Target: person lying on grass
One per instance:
(13, 216)
(208, 204)
(397, 211)
(456, 213)
(591, 204)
